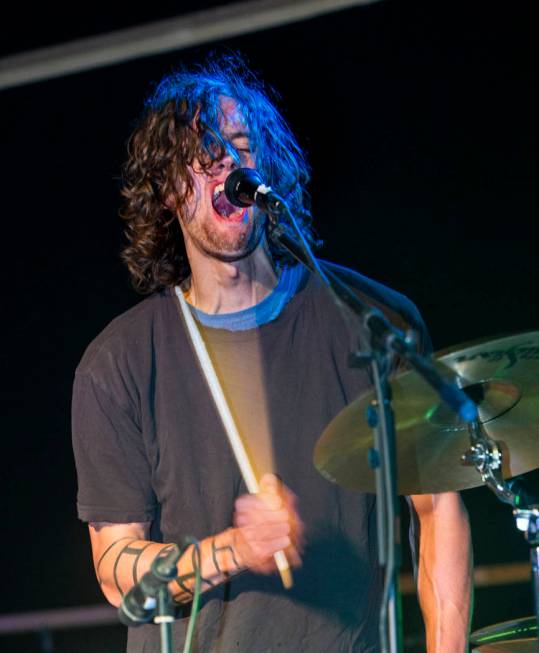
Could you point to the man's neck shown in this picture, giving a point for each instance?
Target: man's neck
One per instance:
(227, 287)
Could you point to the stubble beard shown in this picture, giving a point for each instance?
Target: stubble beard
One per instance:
(226, 247)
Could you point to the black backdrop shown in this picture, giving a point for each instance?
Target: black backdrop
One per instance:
(420, 122)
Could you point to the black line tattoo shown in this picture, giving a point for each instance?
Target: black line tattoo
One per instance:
(135, 563)
(214, 556)
(131, 539)
(180, 580)
(129, 550)
(218, 549)
(195, 558)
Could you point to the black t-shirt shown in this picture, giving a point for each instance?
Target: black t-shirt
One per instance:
(149, 446)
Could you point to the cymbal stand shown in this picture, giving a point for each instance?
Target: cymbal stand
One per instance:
(486, 456)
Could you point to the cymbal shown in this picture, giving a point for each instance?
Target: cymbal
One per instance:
(501, 375)
(517, 636)
(514, 646)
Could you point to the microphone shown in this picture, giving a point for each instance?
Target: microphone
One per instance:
(244, 187)
(139, 604)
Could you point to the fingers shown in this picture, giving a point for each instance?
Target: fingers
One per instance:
(268, 522)
(270, 483)
(262, 501)
(290, 501)
(257, 514)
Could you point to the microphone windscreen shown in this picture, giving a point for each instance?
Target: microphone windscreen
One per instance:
(241, 186)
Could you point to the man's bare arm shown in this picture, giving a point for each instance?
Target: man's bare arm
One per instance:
(445, 571)
(263, 524)
(123, 554)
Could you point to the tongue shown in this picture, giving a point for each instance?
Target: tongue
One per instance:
(223, 207)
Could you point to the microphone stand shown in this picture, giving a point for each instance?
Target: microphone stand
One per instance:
(158, 606)
(164, 616)
(383, 341)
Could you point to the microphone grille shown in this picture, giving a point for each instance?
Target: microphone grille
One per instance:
(241, 185)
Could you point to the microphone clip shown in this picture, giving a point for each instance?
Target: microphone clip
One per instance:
(151, 593)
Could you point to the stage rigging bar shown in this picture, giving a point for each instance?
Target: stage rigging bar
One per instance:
(189, 30)
(105, 615)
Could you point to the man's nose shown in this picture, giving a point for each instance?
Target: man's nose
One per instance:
(228, 163)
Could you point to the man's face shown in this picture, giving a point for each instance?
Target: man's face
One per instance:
(212, 225)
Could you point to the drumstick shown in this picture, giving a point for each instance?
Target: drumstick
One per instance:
(229, 424)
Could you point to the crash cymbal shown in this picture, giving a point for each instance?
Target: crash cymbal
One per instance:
(515, 646)
(517, 636)
(501, 375)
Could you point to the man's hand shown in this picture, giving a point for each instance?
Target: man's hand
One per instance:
(265, 523)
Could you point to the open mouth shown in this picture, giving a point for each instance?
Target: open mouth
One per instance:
(222, 206)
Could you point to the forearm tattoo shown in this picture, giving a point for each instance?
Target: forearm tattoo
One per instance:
(135, 562)
(98, 566)
(130, 551)
(180, 581)
(222, 549)
(137, 552)
(185, 582)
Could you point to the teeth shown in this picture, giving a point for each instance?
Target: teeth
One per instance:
(218, 190)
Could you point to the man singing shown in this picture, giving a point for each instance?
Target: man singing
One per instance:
(153, 461)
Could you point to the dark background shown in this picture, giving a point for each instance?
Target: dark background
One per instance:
(420, 121)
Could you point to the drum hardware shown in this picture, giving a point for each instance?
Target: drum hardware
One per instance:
(518, 636)
(487, 457)
(502, 378)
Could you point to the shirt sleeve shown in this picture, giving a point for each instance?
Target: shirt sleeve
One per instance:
(113, 467)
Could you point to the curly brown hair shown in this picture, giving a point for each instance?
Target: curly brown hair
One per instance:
(180, 125)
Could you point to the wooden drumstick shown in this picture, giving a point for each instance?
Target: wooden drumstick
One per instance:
(229, 424)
